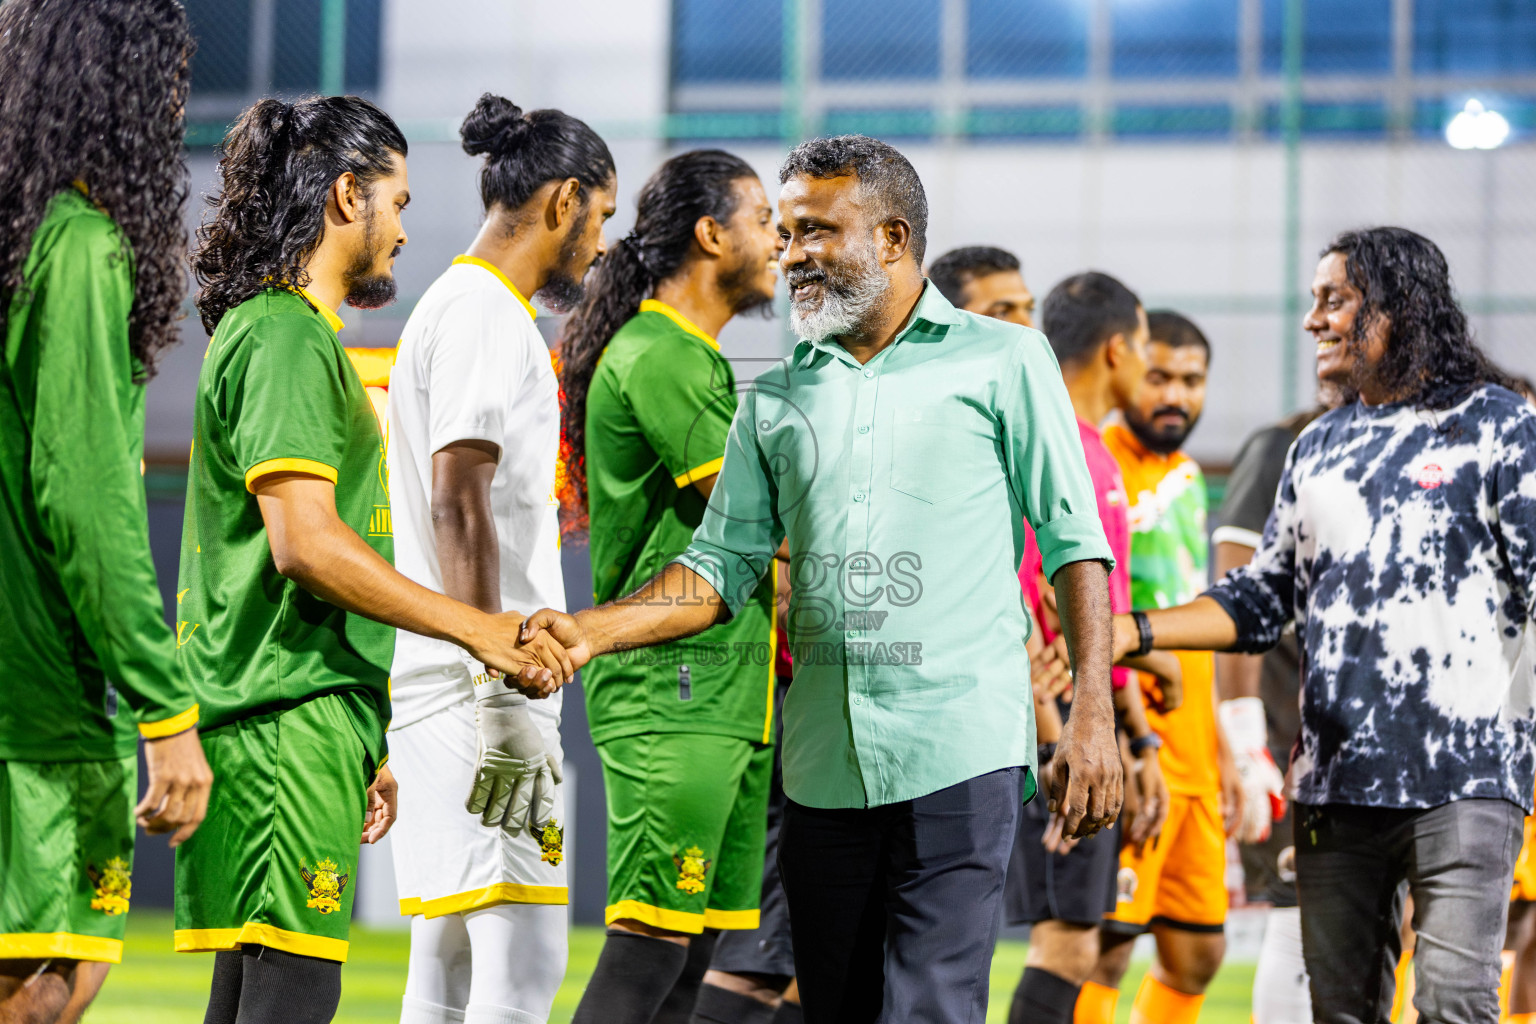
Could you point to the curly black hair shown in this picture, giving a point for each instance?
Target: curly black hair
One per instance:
(686, 188)
(1431, 358)
(94, 93)
(278, 164)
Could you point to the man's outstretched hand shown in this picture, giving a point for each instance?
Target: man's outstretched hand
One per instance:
(561, 629)
(1087, 783)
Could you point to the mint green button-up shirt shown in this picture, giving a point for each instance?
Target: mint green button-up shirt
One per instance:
(903, 486)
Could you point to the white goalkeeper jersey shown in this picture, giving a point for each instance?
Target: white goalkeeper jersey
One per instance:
(472, 367)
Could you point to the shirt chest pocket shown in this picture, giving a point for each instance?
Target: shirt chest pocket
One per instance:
(938, 452)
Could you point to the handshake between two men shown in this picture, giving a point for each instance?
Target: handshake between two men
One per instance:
(514, 780)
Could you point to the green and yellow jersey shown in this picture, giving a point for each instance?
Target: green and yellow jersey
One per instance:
(82, 619)
(658, 411)
(278, 393)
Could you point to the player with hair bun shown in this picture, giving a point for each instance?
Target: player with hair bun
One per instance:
(473, 442)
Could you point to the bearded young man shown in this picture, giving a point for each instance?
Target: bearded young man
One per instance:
(891, 450)
(1174, 888)
(473, 445)
(92, 183)
(288, 601)
(1098, 330)
(685, 733)
(1403, 547)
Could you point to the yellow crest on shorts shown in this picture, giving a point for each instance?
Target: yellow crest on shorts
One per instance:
(114, 887)
(552, 843)
(326, 885)
(691, 866)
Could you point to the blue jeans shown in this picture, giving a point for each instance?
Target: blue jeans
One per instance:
(1458, 860)
(895, 909)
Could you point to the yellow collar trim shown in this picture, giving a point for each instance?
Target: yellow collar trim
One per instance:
(657, 306)
(325, 311)
(533, 314)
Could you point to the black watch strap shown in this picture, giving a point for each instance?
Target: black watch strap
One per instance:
(1144, 629)
(1141, 744)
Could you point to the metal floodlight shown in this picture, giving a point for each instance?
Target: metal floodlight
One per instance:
(1477, 127)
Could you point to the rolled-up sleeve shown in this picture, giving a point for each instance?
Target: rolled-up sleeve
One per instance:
(1259, 597)
(1044, 456)
(735, 542)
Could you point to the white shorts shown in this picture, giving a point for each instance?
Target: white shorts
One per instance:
(446, 862)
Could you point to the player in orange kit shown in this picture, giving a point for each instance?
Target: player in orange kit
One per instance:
(1175, 887)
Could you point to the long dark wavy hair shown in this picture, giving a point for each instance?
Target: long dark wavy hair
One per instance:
(1431, 358)
(278, 164)
(688, 186)
(94, 93)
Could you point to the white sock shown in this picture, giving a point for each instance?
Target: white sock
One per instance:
(484, 1013)
(1281, 992)
(419, 1011)
(438, 973)
(520, 953)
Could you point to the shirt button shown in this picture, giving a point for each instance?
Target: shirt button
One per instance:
(869, 373)
(853, 632)
(858, 701)
(864, 429)
(858, 495)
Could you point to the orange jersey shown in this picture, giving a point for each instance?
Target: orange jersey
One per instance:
(1167, 511)
(1525, 866)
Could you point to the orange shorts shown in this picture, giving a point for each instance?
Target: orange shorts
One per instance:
(1181, 879)
(1525, 865)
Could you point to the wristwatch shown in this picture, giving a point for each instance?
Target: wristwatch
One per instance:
(1141, 744)
(1144, 629)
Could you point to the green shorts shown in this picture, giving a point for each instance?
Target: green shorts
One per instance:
(687, 826)
(274, 862)
(66, 858)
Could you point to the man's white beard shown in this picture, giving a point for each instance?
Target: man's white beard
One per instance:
(847, 300)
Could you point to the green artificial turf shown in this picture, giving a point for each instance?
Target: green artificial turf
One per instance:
(156, 986)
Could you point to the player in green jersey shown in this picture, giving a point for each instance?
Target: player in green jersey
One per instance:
(685, 730)
(91, 279)
(288, 602)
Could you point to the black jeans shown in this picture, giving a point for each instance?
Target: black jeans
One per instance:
(894, 909)
(1458, 860)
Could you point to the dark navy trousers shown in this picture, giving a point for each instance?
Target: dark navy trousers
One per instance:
(894, 910)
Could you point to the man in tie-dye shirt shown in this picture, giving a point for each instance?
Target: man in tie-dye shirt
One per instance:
(1403, 547)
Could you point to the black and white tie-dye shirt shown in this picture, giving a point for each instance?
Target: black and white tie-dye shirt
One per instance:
(1403, 544)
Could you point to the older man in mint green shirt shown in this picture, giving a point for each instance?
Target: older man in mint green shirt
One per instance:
(899, 450)
(903, 485)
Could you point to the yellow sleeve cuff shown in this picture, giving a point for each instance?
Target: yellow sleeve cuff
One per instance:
(309, 466)
(169, 726)
(709, 468)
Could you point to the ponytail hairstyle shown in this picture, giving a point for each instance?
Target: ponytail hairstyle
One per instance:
(279, 163)
(684, 189)
(524, 152)
(94, 93)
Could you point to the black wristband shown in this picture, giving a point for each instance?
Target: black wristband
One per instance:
(1141, 744)
(1144, 628)
(1044, 752)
